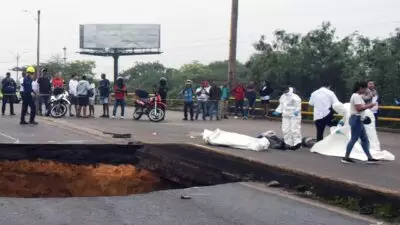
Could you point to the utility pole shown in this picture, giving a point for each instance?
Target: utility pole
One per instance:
(233, 44)
(38, 45)
(18, 57)
(65, 55)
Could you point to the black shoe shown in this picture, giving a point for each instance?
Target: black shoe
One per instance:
(33, 122)
(23, 123)
(71, 115)
(372, 161)
(13, 114)
(347, 160)
(191, 119)
(184, 119)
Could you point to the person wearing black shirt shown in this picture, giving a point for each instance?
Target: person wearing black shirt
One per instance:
(8, 90)
(265, 92)
(45, 91)
(27, 99)
(163, 90)
(215, 97)
(104, 89)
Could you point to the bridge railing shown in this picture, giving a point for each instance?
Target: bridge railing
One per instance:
(388, 115)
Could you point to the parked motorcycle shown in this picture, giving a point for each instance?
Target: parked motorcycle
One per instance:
(59, 105)
(153, 108)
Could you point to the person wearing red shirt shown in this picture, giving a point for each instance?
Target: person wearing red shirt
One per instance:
(120, 93)
(239, 93)
(58, 84)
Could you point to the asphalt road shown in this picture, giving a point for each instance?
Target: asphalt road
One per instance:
(12, 132)
(174, 130)
(225, 204)
(230, 204)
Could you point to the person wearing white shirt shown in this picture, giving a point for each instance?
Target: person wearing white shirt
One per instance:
(73, 98)
(356, 122)
(36, 98)
(92, 99)
(322, 101)
(371, 96)
(21, 84)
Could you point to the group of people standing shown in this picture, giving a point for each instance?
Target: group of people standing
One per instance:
(364, 97)
(212, 100)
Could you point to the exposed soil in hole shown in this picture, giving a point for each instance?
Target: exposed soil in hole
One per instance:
(53, 179)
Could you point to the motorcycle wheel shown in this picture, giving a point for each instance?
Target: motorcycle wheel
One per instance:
(137, 114)
(58, 110)
(156, 115)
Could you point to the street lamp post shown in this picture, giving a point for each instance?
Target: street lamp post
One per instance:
(38, 44)
(37, 18)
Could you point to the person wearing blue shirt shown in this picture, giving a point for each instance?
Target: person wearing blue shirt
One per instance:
(27, 99)
(188, 94)
(224, 100)
(8, 89)
(104, 90)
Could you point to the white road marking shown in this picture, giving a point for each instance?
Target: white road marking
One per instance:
(68, 142)
(16, 140)
(175, 124)
(195, 134)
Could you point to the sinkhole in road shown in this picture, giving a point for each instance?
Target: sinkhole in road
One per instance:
(46, 178)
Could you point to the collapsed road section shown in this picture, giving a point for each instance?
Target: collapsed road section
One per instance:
(165, 166)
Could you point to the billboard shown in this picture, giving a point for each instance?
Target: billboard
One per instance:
(119, 36)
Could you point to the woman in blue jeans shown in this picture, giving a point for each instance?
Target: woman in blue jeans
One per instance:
(356, 121)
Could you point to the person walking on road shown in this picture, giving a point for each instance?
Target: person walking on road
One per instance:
(83, 91)
(104, 90)
(357, 120)
(224, 101)
(27, 99)
(265, 92)
(215, 97)
(120, 92)
(188, 94)
(73, 96)
(322, 101)
(45, 92)
(8, 89)
(290, 109)
(203, 95)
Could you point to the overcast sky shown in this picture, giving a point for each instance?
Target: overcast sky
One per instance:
(190, 29)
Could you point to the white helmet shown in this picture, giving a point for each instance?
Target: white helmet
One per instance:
(189, 82)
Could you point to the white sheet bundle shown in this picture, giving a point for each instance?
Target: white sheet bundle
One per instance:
(235, 140)
(335, 144)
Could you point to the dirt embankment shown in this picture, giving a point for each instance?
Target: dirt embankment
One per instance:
(53, 179)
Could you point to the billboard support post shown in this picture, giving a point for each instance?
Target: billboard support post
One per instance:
(115, 57)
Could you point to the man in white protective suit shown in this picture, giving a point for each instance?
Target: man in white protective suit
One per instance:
(290, 109)
(335, 144)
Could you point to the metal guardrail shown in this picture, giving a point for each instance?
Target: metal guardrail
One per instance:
(306, 113)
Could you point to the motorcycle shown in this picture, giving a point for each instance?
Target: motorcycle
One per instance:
(59, 105)
(153, 108)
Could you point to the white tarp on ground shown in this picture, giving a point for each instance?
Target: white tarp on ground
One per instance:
(235, 140)
(335, 144)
